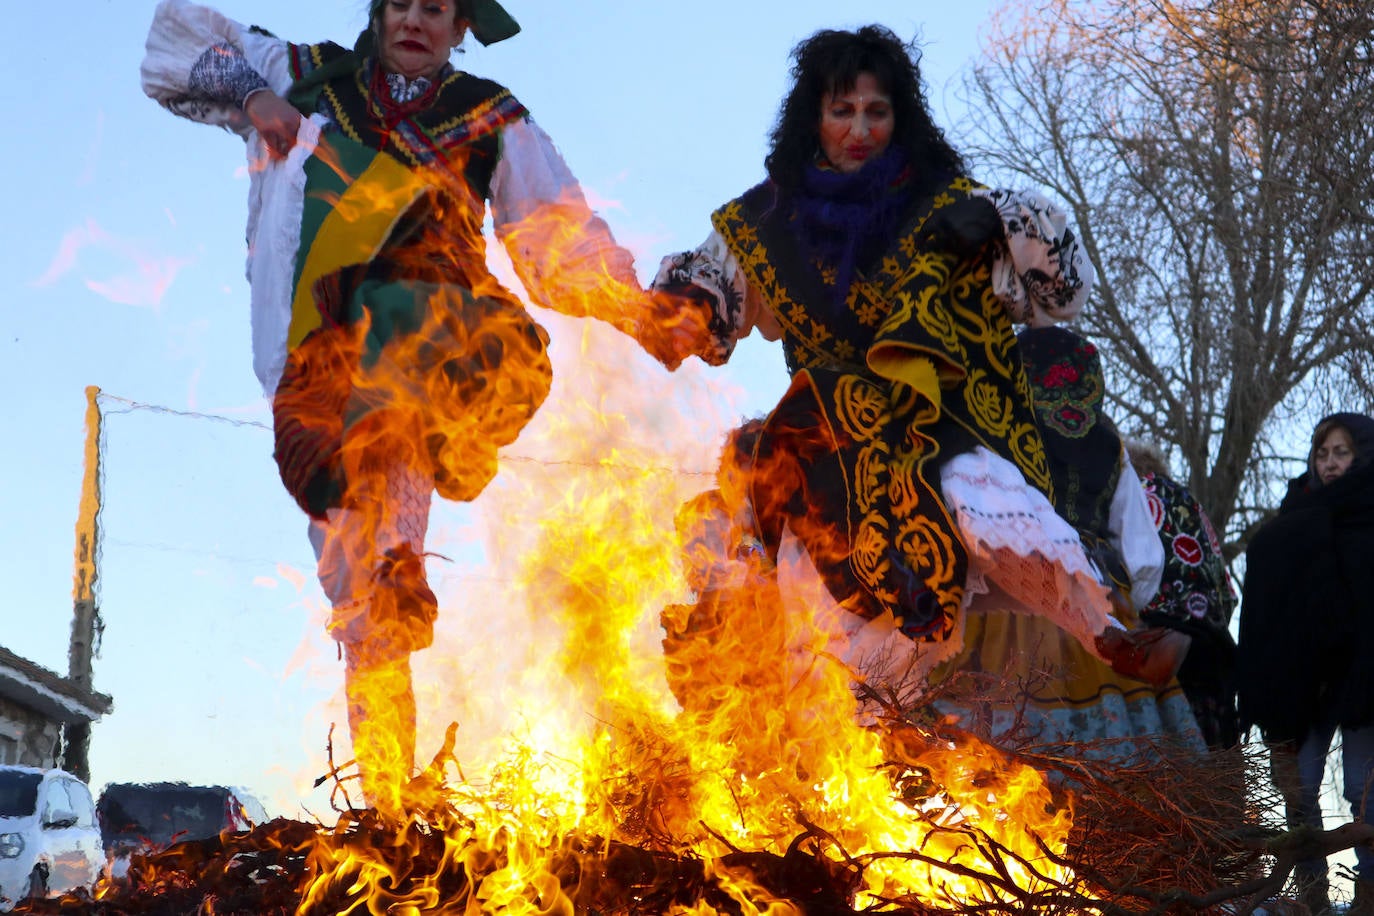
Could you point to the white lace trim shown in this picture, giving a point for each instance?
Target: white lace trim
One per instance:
(1018, 544)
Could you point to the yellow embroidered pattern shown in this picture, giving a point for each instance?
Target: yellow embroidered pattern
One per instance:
(923, 303)
(478, 121)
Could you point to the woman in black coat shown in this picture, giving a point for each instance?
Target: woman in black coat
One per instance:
(1306, 654)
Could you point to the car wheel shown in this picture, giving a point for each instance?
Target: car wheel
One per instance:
(38, 883)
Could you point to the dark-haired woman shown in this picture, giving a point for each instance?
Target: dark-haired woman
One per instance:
(395, 362)
(1304, 666)
(903, 468)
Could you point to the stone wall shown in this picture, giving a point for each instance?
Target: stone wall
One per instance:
(26, 738)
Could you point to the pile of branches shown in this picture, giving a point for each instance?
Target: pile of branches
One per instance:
(1183, 833)
(1178, 834)
(268, 871)
(1157, 826)
(261, 871)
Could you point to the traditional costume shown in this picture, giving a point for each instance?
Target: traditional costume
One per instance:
(1195, 596)
(1028, 678)
(903, 468)
(371, 296)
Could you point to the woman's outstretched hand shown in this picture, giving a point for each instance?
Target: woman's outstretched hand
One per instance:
(275, 119)
(673, 327)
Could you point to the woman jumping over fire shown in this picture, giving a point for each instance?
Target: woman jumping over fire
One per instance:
(904, 467)
(396, 364)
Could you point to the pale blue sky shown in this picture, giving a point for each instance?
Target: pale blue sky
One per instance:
(123, 268)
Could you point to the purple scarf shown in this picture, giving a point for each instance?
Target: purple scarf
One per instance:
(846, 221)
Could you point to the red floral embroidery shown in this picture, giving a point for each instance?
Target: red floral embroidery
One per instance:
(1156, 508)
(1060, 374)
(1070, 417)
(1187, 549)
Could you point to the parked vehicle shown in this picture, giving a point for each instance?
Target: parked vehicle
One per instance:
(144, 817)
(49, 841)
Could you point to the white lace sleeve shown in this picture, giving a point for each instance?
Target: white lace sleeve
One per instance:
(529, 173)
(711, 275)
(1132, 530)
(1045, 276)
(561, 250)
(275, 205)
(200, 65)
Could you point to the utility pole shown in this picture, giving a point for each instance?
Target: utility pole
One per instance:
(86, 623)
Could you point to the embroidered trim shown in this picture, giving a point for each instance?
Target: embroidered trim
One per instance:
(223, 74)
(694, 274)
(304, 59)
(808, 340)
(412, 141)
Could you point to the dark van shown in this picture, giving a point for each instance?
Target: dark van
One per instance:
(141, 817)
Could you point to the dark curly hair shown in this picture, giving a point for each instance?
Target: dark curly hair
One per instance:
(830, 61)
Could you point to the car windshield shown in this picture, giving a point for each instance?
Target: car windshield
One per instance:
(161, 814)
(18, 793)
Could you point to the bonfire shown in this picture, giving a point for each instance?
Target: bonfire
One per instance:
(1137, 844)
(749, 786)
(693, 815)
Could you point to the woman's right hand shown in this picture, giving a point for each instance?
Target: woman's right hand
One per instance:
(275, 119)
(673, 326)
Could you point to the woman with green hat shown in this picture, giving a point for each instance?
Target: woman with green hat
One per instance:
(395, 362)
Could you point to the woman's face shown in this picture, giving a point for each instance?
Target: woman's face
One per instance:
(417, 36)
(856, 126)
(1334, 455)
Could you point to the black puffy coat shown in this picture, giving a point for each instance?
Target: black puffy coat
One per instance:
(1306, 647)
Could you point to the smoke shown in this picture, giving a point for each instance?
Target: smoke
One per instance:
(132, 275)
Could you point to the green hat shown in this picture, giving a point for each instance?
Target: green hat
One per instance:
(488, 20)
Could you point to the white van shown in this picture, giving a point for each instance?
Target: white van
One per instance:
(49, 840)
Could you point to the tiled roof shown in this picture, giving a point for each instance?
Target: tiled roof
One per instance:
(50, 694)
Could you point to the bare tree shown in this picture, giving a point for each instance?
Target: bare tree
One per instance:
(1217, 160)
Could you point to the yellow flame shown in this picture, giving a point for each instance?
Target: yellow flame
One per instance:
(594, 745)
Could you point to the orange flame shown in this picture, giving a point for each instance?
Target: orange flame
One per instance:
(765, 746)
